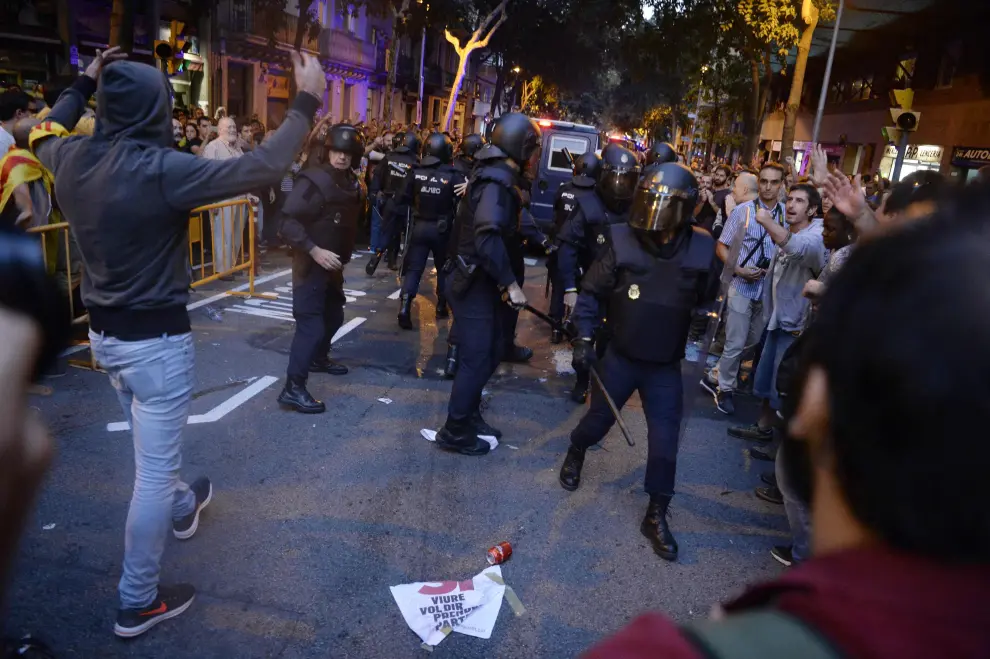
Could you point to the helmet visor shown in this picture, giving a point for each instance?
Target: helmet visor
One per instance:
(619, 184)
(658, 209)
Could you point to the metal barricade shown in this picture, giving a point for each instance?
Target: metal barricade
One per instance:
(58, 249)
(221, 252)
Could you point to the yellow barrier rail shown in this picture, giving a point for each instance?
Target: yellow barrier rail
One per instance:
(227, 252)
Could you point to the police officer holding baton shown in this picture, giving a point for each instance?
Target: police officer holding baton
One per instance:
(319, 220)
(655, 272)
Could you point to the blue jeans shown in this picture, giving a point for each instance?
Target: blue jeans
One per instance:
(765, 382)
(154, 382)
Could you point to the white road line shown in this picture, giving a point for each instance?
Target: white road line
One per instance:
(218, 412)
(242, 287)
(73, 350)
(529, 261)
(347, 327)
(395, 295)
(269, 304)
(262, 313)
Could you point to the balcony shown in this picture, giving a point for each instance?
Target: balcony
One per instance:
(342, 47)
(261, 19)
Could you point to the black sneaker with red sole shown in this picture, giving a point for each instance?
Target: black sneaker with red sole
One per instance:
(170, 602)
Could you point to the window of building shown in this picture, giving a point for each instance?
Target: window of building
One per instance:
(950, 62)
(838, 92)
(351, 19)
(904, 76)
(861, 89)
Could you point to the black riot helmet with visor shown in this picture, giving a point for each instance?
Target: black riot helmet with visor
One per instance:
(471, 144)
(408, 142)
(587, 169)
(345, 138)
(518, 137)
(617, 182)
(438, 149)
(660, 153)
(665, 198)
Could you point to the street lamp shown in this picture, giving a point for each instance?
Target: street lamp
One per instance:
(516, 70)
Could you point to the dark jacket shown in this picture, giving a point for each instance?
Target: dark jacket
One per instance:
(870, 603)
(127, 195)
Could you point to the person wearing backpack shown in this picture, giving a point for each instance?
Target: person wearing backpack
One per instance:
(900, 565)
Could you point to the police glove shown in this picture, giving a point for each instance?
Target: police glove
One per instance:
(515, 296)
(584, 355)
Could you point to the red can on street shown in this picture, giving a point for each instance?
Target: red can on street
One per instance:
(500, 553)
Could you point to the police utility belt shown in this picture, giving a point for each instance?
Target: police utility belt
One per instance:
(442, 221)
(463, 274)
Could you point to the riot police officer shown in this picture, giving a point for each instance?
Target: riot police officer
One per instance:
(659, 153)
(480, 273)
(654, 273)
(586, 232)
(587, 168)
(386, 185)
(431, 192)
(464, 162)
(319, 220)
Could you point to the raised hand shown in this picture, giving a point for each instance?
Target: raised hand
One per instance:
(103, 58)
(309, 74)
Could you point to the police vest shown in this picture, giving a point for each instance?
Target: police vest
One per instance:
(335, 227)
(462, 238)
(398, 166)
(651, 305)
(570, 197)
(598, 227)
(433, 193)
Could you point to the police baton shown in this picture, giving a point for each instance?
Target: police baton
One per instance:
(591, 369)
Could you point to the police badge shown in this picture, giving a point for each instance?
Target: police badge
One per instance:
(633, 292)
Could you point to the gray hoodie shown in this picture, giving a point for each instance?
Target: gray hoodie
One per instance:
(127, 193)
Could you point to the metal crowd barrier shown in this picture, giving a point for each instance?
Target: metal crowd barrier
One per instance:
(58, 249)
(222, 251)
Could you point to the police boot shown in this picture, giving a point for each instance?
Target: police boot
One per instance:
(482, 428)
(579, 394)
(516, 354)
(373, 262)
(295, 397)
(328, 366)
(405, 311)
(556, 336)
(570, 471)
(462, 438)
(453, 359)
(393, 259)
(443, 311)
(656, 530)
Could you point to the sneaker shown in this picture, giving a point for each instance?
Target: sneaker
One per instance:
(709, 384)
(753, 433)
(769, 478)
(723, 401)
(765, 454)
(769, 494)
(170, 602)
(185, 528)
(782, 554)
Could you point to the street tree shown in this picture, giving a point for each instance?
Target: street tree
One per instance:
(478, 40)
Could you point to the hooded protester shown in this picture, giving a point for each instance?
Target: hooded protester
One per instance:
(127, 194)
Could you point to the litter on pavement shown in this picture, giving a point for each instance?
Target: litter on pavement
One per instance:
(434, 609)
(431, 436)
(387, 401)
(48, 527)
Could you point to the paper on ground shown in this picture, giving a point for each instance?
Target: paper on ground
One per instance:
(468, 607)
(431, 436)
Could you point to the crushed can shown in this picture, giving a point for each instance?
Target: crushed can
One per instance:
(500, 553)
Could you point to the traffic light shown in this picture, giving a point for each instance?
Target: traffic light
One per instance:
(166, 51)
(904, 118)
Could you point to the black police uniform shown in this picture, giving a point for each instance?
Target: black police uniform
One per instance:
(434, 203)
(565, 202)
(651, 289)
(323, 211)
(480, 270)
(386, 190)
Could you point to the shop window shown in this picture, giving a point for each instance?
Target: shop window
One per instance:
(950, 62)
(904, 76)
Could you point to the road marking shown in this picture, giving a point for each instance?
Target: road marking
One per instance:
(242, 287)
(529, 261)
(272, 305)
(347, 327)
(395, 295)
(218, 412)
(262, 313)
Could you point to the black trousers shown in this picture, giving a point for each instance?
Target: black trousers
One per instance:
(426, 240)
(510, 316)
(662, 392)
(318, 307)
(479, 338)
(556, 289)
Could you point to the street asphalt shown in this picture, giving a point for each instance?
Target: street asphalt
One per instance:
(314, 517)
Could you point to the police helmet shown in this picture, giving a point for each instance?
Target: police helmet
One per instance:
(471, 144)
(517, 136)
(617, 182)
(665, 198)
(660, 153)
(438, 149)
(408, 142)
(587, 168)
(346, 139)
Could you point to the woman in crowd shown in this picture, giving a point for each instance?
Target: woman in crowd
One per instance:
(190, 142)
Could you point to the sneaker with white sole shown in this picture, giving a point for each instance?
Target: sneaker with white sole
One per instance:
(170, 602)
(783, 555)
(185, 528)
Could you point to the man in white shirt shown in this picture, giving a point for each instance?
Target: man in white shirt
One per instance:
(228, 223)
(14, 106)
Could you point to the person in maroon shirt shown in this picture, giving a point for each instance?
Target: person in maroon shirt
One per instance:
(893, 402)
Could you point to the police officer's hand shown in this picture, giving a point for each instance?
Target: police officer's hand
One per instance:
(516, 296)
(325, 258)
(583, 356)
(460, 189)
(570, 299)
